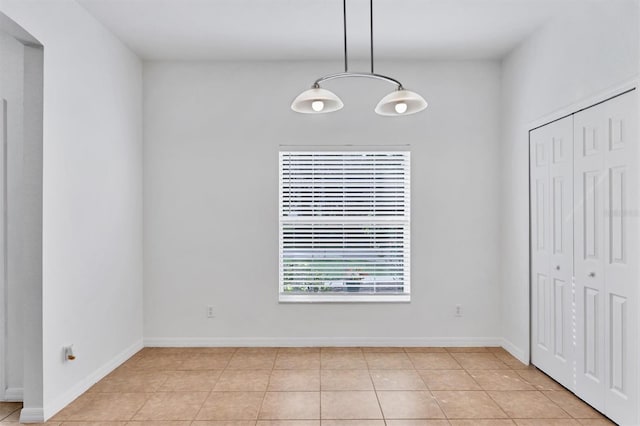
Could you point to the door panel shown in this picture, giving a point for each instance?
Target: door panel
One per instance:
(559, 320)
(589, 266)
(552, 249)
(542, 313)
(618, 360)
(618, 198)
(592, 343)
(591, 200)
(606, 262)
(559, 213)
(541, 214)
(620, 116)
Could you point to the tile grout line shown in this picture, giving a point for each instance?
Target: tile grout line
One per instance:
(500, 406)
(474, 380)
(214, 385)
(489, 395)
(267, 388)
(202, 405)
(375, 390)
(320, 387)
(146, 399)
(555, 403)
(446, 416)
(9, 414)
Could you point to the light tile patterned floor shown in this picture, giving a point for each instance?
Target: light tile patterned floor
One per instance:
(323, 386)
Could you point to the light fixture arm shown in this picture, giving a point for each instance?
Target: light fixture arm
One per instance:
(345, 74)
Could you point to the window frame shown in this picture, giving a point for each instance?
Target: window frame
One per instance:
(405, 221)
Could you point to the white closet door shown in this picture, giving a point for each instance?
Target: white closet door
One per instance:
(552, 249)
(606, 256)
(591, 134)
(620, 117)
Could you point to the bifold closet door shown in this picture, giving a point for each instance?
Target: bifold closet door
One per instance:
(606, 256)
(552, 249)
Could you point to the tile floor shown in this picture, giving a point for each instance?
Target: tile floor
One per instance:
(323, 386)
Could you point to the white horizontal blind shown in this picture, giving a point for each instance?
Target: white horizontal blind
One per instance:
(344, 226)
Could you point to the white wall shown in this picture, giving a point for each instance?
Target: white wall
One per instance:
(92, 237)
(566, 62)
(212, 133)
(11, 89)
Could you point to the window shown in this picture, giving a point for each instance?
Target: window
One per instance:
(344, 226)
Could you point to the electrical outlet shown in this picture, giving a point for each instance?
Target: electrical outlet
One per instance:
(68, 353)
(458, 311)
(210, 313)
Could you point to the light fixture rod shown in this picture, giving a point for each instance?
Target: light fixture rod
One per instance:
(344, 23)
(358, 74)
(371, 31)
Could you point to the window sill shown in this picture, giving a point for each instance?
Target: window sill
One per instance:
(341, 298)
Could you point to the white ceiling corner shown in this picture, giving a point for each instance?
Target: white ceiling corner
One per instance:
(312, 29)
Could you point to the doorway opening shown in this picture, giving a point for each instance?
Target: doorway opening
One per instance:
(21, 112)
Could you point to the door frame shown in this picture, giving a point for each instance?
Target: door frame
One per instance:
(3, 253)
(574, 108)
(31, 189)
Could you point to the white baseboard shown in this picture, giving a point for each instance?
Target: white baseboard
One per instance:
(319, 341)
(515, 351)
(82, 386)
(32, 415)
(13, 395)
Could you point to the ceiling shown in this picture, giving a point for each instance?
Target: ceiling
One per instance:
(312, 29)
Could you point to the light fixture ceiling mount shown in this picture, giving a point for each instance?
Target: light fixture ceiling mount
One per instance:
(318, 100)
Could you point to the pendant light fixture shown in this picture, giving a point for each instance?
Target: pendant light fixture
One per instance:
(318, 100)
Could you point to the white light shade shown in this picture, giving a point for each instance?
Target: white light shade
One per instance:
(304, 103)
(414, 103)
